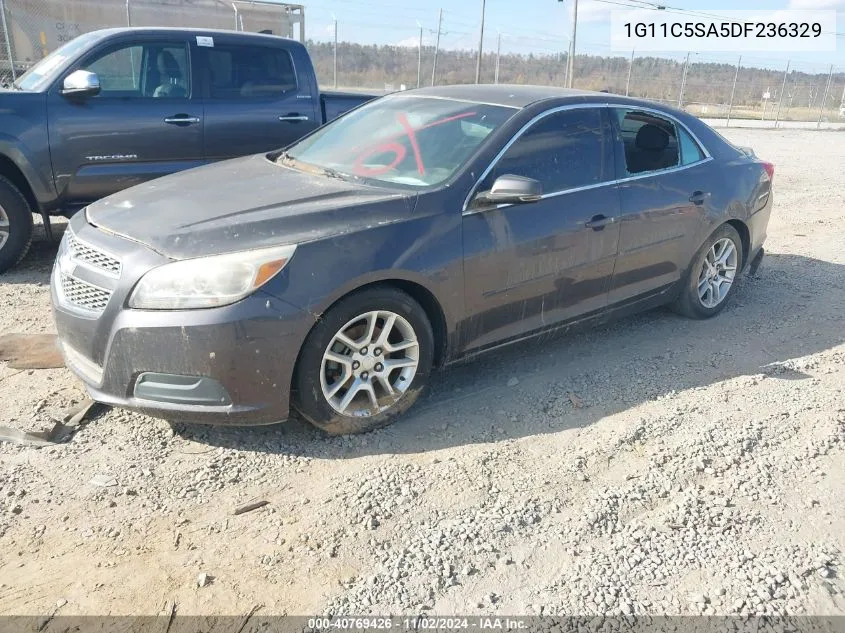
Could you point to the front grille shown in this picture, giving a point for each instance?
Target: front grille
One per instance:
(84, 295)
(82, 252)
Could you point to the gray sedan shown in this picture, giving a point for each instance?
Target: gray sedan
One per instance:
(335, 275)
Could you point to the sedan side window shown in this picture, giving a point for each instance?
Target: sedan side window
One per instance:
(651, 142)
(563, 151)
(690, 151)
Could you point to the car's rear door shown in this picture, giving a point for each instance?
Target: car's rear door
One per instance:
(254, 99)
(145, 122)
(665, 186)
(532, 265)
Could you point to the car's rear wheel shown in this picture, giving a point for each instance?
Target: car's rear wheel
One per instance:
(711, 278)
(365, 363)
(15, 225)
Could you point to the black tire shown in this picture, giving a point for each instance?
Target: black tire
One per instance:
(308, 398)
(14, 206)
(688, 302)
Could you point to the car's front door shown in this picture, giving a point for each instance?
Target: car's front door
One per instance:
(253, 100)
(532, 265)
(144, 123)
(664, 193)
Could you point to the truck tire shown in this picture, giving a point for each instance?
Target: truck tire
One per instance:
(15, 225)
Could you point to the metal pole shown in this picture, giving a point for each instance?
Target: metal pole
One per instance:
(733, 90)
(570, 72)
(566, 71)
(335, 53)
(791, 96)
(782, 91)
(235, 8)
(436, 48)
(824, 98)
(683, 83)
(128, 15)
(480, 44)
(8, 40)
(498, 56)
(630, 68)
(419, 61)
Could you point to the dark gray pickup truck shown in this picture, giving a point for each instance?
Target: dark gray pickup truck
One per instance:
(117, 107)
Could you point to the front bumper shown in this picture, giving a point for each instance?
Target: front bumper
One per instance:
(227, 365)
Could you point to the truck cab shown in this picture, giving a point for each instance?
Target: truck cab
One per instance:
(117, 107)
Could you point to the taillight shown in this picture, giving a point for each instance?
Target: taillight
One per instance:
(770, 169)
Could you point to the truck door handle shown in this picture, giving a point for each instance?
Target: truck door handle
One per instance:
(293, 118)
(698, 197)
(182, 119)
(598, 222)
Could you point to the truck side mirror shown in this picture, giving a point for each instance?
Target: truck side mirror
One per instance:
(81, 83)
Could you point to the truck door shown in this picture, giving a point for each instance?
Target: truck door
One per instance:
(253, 101)
(145, 122)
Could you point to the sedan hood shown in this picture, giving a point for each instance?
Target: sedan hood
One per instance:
(243, 204)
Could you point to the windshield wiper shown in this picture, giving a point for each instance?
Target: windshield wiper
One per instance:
(333, 173)
(328, 172)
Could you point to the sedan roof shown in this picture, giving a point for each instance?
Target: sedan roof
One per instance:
(514, 96)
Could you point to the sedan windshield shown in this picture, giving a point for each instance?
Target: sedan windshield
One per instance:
(414, 141)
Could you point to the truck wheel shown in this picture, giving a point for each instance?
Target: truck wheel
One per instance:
(15, 225)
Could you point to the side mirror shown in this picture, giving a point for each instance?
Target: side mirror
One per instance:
(81, 83)
(511, 189)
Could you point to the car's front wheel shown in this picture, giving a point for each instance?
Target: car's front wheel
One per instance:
(712, 276)
(365, 363)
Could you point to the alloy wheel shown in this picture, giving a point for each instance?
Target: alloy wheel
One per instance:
(369, 364)
(4, 227)
(718, 272)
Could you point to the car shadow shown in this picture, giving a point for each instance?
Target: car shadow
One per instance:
(37, 264)
(791, 308)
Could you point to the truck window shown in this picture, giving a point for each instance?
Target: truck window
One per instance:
(249, 72)
(143, 70)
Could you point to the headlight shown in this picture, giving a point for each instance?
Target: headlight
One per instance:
(206, 282)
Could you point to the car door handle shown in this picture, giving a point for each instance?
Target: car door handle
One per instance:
(698, 197)
(182, 119)
(598, 222)
(293, 118)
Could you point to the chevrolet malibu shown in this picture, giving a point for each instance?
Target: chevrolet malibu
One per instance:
(334, 276)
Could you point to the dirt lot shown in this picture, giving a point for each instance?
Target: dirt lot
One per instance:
(658, 465)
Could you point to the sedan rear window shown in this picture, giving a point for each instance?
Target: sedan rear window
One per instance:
(651, 142)
(412, 141)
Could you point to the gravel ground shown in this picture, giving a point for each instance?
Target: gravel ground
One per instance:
(658, 465)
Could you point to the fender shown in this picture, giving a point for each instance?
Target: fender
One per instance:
(43, 190)
(387, 276)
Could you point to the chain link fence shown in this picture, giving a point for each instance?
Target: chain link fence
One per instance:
(719, 87)
(31, 29)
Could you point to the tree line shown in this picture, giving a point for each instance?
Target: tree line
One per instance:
(388, 67)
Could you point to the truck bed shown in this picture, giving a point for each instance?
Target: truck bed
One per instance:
(333, 103)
